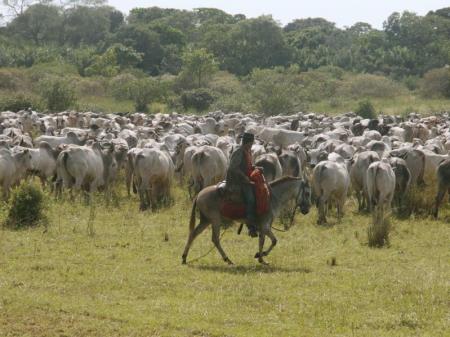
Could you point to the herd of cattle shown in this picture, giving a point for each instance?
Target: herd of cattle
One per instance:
(380, 160)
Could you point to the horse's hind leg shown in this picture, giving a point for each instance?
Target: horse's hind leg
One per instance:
(216, 241)
(192, 235)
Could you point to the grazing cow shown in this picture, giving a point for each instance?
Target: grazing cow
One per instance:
(316, 156)
(290, 164)
(153, 175)
(378, 146)
(402, 179)
(380, 187)
(209, 166)
(43, 162)
(271, 166)
(13, 167)
(443, 178)
(415, 159)
(361, 163)
(330, 184)
(54, 141)
(432, 161)
(86, 168)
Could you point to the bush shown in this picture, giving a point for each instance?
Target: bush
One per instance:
(19, 102)
(144, 91)
(368, 85)
(9, 79)
(57, 94)
(90, 87)
(436, 82)
(198, 99)
(411, 82)
(120, 86)
(273, 91)
(27, 207)
(365, 109)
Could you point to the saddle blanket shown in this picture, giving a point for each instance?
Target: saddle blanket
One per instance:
(236, 210)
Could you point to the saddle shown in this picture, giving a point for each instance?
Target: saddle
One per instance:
(232, 203)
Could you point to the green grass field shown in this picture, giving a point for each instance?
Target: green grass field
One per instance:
(114, 271)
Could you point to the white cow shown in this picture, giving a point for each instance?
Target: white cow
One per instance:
(209, 166)
(330, 184)
(153, 176)
(54, 141)
(86, 167)
(361, 163)
(380, 189)
(13, 167)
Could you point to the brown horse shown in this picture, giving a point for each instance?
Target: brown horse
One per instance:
(208, 204)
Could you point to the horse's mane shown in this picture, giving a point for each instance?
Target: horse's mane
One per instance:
(282, 180)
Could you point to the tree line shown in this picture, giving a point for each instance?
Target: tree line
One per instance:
(98, 40)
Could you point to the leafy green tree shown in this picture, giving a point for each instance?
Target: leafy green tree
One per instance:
(198, 65)
(255, 43)
(117, 58)
(272, 92)
(145, 41)
(86, 25)
(39, 23)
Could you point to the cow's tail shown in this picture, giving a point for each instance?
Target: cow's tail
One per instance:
(192, 220)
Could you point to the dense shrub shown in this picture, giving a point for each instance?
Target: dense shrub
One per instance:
(90, 87)
(197, 99)
(57, 93)
(27, 207)
(368, 85)
(144, 91)
(411, 82)
(365, 109)
(120, 86)
(19, 102)
(273, 91)
(318, 84)
(436, 82)
(60, 69)
(9, 79)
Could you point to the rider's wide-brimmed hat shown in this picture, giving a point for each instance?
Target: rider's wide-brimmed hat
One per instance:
(248, 137)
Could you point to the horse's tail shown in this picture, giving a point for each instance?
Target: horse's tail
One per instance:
(192, 221)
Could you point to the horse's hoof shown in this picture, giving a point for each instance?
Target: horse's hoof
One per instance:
(227, 260)
(261, 260)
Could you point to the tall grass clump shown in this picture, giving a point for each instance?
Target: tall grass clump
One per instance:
(378, 232)
(27, 207)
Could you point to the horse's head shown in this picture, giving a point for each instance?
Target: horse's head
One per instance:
(304, 196)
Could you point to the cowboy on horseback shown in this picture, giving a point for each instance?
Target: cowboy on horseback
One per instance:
(238, 180)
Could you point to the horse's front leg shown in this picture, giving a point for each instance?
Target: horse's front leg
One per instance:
(273, 244)
(260, 254)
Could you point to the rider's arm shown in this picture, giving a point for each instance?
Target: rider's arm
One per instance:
(235, 167)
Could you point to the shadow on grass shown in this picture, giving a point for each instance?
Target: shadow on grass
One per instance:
(242, 270)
